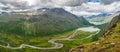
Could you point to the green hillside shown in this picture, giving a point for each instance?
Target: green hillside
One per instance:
(110, 42)
(50, 22)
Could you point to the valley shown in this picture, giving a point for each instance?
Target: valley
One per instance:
(46, 32)
(41, 33)
(60, 28)
(50, 31)
(77, 35)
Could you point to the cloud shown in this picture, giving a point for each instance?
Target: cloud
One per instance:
(74, 6)
(109, 1)
(94, 9)
(45, 3)
(12, 4)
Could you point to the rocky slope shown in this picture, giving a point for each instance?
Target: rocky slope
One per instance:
(110, 42)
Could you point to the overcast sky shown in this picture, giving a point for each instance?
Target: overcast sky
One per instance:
(44, 3)
(77, 7)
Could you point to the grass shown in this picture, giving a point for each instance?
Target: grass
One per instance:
(77, 42)
(117, 29)
(105, 45)
(43, 41)
(109, 44)
(82, 34)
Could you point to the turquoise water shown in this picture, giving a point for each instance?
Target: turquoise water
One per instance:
(97, 23)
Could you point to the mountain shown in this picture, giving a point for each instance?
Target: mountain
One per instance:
(109, 18)
(99, 15)
(98, 18)
(51, 21)
(42, 9)
(110, 42)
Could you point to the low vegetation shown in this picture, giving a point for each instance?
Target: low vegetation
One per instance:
(109, 42)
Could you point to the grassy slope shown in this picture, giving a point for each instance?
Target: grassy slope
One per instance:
(42, 42)
(110, 42)
(40, 25)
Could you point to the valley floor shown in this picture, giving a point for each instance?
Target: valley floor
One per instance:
(79, 36)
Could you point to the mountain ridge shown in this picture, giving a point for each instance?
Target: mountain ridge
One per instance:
(55, 20)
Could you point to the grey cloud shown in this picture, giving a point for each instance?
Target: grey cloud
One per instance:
(23, 4)
(109, 1)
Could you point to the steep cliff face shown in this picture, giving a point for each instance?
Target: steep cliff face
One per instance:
(113, 26)
(114, 21)
(110, 42)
